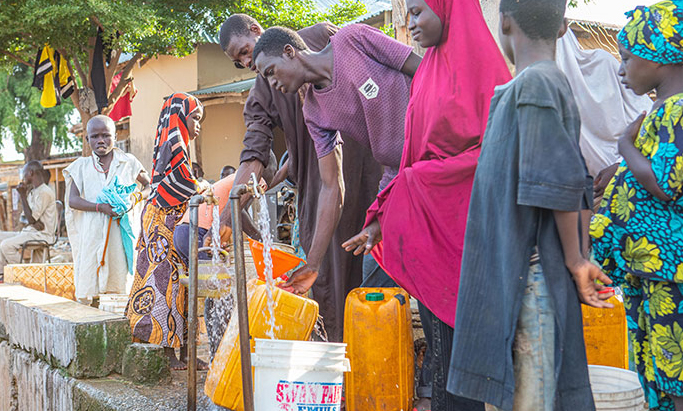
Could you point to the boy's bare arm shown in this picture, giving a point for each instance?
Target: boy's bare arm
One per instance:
(584, 272)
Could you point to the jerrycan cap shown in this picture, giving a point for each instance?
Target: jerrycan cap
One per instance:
(374, 297)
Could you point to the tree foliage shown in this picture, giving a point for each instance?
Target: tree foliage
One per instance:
(33, 128)
(137, 30)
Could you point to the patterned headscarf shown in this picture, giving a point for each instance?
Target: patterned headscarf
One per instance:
(172, 178)
(655, 33)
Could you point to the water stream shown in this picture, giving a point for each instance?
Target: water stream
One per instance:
(263, 225)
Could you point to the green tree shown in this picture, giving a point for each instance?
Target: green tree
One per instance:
(33, 128)
(136, 29)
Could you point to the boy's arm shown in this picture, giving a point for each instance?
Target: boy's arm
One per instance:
(79, 203)
(552, 175)
(583, 271)
(330, 204)
(637, 163)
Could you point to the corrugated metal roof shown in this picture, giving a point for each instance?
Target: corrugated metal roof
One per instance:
(235, 87)
(374, 8)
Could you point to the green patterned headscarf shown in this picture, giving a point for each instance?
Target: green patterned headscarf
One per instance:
(655, 33)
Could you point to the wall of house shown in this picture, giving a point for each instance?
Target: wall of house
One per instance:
(215, 68)
(158, 78)
(221, 138)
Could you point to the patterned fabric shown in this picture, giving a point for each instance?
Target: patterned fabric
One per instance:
(172, 180)
(655, 33)
(156, 307)
(655, 326)
(634, 232)
(638, 239)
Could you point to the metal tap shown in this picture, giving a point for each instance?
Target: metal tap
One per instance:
(208, 198)
(252, 189)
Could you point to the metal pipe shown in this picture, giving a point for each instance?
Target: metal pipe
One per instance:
(241, 284)
(192, 308)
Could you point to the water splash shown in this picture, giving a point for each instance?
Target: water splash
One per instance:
(215, 235)
(219, 310)
(263, 223)
(319, 330)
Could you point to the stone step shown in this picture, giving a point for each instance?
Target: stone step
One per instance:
(83, 341)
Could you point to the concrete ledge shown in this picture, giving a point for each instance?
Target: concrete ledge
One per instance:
(145, 364)
(84, 341)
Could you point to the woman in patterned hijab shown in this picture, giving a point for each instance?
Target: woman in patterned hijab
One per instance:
(638, 231)
(156, 308)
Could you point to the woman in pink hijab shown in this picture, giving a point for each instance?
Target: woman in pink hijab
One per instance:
(420, 218)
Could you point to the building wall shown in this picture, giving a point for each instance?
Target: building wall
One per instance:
(156, 79)
(215, 68)
(221, 138)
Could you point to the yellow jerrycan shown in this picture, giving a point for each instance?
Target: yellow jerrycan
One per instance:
(295, 318)
(604, 331)
(378, 330)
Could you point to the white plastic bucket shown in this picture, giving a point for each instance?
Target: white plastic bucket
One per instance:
(615, 389)
(298, 375)
(113, 303)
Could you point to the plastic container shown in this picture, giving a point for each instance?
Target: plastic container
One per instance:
(605, 335)
(283, 261)
(213, 280)
(295, 318)
(379, 332)
(296, 375)
(615, 389)
(113, 303)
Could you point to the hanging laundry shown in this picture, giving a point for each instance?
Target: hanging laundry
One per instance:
(52, 77)
(99, 84)
(122, 107)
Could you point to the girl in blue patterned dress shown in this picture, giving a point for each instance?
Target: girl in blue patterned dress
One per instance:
(638, 231)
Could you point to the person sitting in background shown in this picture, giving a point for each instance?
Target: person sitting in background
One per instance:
(226, 171)
(39, 211)
(100, 261)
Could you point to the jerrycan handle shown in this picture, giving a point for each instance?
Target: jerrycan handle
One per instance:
(401, 298)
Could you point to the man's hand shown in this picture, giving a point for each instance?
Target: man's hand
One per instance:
(38, 225)
(301, 281)
(106, 209)
(602, 180)
(585, 273)
(22, 189)
(366, 240)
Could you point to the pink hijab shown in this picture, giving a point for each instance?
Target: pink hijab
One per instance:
(423, 212)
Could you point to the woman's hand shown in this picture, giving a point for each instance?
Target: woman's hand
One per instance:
(631, 133)
(202, 186)
(366, 240)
